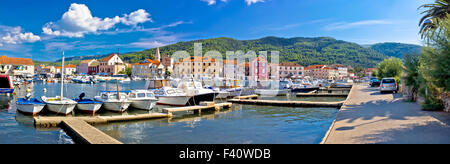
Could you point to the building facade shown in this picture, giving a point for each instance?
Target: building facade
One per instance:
(321, 72)
(197, 67)
(16, 66)
(111, 65)
(289, 69)
(83, 66)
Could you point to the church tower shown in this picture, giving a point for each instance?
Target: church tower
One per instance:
(157, 55)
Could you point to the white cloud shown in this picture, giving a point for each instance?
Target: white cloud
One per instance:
(16, 35)
(78, 21)
(341, 26)
(250, 2)
(213, 2)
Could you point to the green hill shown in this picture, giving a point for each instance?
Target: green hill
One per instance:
(304, 51)
(398, 50)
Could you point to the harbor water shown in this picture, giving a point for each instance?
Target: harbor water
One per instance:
(242, 124)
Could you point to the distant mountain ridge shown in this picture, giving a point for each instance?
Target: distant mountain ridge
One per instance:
(398, 50)
(301, 50)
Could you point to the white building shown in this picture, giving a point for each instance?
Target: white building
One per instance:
(16, 66)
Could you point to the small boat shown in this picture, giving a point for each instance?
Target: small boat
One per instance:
(87, 105)
(195, 90)
(6, 85)
(142, 99)
(116, 101)
(272, 88)
(30, 106)
(166, 94)
(60, 104)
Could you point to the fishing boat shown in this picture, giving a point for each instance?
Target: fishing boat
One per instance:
(116, 101)
(142, 99)
(6, 85)
(60, 104)
(87, 105)
(30, 106)
(166, 94)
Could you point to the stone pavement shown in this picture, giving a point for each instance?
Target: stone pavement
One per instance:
(371, 117)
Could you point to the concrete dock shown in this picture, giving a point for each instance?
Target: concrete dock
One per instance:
(371, 117)
(198, 109)
(247, 97)
(56, 121)
(289, 103)
(83, 133)
(321, 95)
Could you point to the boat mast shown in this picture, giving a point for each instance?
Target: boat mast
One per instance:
(62, 77)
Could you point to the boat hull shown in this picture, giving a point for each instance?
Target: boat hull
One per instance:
(89, 108)
(223, 95)
(195, 100)
(173, 100)
(116, 106)
(143, 104)
(61, 108)
(305, 90)
(30, 109)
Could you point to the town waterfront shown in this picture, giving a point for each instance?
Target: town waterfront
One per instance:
(242, 124)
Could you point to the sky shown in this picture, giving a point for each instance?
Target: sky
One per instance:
(41, 30)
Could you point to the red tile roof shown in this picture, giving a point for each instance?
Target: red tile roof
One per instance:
(107, 58)
(16, 61)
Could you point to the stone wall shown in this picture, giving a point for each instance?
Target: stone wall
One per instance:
(446, 101)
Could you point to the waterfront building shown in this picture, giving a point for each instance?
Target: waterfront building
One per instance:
(321, 72)
(369, 72)
(197, 67)
(147, 69)
(16, 66)
(342, 71)
(111, 65)
(88, 67)
(231, 69)
(260, 68)
(290, 69)
(68, 69)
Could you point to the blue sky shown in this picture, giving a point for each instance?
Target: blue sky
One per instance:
(42, 29)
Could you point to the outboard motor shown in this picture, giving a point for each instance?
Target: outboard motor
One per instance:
(28, 96)
(82, 95)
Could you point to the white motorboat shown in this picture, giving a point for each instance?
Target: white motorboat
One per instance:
(166, 94)
(196, 90)
(60, 104)
(116, 101)
(272, 89)
(142, 99)
(30, 106)
(88, 105)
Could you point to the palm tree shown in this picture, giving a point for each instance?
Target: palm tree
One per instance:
(435, 13)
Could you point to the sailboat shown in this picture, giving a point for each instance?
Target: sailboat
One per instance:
(116, 101)
(60, 104)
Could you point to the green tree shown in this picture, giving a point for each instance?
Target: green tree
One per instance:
(412, 77)
(434, 14)
(127, 71)
(392, 67)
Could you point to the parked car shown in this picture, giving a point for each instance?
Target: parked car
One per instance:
(374, 82)
(388, 85)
